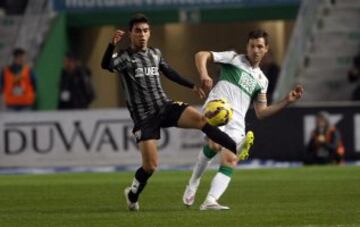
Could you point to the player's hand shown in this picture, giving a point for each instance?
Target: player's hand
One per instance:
(117, 37)
(295, 94)
(206, 83)
(199, 92)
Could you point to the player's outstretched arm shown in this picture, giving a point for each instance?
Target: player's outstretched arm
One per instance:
(262, 110)
(201, 60)
(171, 74)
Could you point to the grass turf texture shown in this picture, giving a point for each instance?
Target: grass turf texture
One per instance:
(308, 196)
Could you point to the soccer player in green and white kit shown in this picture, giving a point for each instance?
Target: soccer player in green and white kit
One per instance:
(240, 82)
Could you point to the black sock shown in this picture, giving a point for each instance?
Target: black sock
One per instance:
(141, 177)
(219, 137)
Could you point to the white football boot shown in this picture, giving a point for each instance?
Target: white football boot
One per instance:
(212, 204)
(189, 196)
(131, 206)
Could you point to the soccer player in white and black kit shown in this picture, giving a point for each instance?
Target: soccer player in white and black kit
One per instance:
(139, 68)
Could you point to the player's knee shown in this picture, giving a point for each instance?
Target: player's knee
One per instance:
(229, 159)
(230, 162)
(201, 121)
(193, 119)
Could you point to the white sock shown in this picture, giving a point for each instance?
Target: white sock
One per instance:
(240, 145)
(218, 186)
(201, 164)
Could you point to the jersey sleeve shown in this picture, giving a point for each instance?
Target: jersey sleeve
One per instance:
(261, 95)
(106, 59)
(225, 57)
(264, 83)
(118, 61)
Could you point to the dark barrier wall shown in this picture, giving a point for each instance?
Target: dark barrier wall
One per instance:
(283, 136)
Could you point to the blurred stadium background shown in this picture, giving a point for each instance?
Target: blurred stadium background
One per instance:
(313, 41)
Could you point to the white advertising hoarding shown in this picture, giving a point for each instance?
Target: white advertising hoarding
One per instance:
(357, 133)
(85, 138)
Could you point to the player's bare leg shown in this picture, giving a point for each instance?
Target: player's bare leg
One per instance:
(149, 154)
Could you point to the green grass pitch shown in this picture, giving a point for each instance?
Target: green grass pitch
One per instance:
(305, 196)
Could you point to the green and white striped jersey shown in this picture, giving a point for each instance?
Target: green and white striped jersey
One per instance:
(236, 69)
(239, 83)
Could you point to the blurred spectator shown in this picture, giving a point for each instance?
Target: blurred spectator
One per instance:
(354, 76)
(271, 71)
(76, 89)
(325, 145)
(18, 83)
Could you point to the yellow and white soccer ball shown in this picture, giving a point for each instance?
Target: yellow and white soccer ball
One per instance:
(218, 112)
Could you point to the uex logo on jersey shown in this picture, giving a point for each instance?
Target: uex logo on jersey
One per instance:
(146, 71)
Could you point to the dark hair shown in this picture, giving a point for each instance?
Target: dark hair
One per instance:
(259, 33)
(138, 18)
(18, 52)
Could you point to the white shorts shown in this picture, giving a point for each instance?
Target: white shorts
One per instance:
(236, 127)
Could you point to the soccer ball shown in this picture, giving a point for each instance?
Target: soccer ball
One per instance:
(218, 112)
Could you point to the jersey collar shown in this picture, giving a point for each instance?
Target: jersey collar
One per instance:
(133, 51)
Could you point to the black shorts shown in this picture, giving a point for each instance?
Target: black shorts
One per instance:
(168, 117)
